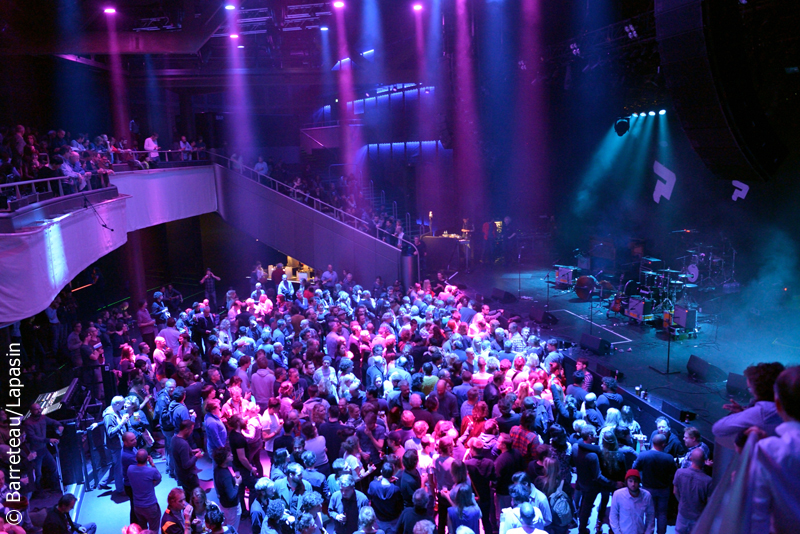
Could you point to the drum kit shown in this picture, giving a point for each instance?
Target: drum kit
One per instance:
(658, 289)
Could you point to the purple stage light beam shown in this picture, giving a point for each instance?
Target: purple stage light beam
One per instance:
(119, 94)
(349, 133)
(467, 160)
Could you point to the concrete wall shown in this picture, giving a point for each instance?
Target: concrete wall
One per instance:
(299, 231)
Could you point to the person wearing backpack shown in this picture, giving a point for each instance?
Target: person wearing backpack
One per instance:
(551, 483)
(163, 400)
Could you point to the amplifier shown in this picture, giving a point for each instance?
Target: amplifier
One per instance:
(685, 318)
(639, 309)
(564, 275)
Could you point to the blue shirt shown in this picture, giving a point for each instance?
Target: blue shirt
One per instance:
(128, 459)
(144, 479)
(216, 434)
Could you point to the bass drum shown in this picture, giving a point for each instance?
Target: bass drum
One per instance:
(692, 273)
(584, 287)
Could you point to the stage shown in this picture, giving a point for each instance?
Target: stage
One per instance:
(736, 330)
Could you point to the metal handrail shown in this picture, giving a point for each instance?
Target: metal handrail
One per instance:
(18, 185)
(296, 194)
(394, 209)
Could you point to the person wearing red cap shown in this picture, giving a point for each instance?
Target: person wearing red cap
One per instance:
(632, 510)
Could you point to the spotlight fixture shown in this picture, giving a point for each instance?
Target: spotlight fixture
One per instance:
(662, 112)
(631, 32)
(652, 113)
(230, 7)
(575, 50)
(109, 11)
(338, 4)
(622, 126)
(643, 114)
(234, 36)
(323, 28)
(240, 46)
(417, 7)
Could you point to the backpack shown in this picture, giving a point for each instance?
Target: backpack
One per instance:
(166, 416)
(560, 507)
(542, 422)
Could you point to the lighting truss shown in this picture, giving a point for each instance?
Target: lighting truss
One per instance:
(250, 22)
(305, 16)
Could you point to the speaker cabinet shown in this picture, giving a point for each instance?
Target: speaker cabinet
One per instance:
(702, 371)
(503, 296)
(595, 344)
(542, 316)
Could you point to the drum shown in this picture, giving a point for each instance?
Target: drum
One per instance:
(648, 278)
(692, 273)
(584, 287)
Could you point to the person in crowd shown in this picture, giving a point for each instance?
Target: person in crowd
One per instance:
(59, 521)
(632, 510)
(185, 457)
(36, 428)
(673, 447)
(144, 477)
(345, 505)
(775, 472)
(226, 484)
(657, 469)
(761, 412)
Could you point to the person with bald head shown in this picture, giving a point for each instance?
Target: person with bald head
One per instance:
(128, 459)
(144, 477)
(692, 487)
(448, 403)
(116, 424)
(658, 470)
(36, 427)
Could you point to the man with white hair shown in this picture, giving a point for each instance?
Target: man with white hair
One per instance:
(116, 424)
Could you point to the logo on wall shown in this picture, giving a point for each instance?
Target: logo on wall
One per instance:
(740, 191)
(665, 184)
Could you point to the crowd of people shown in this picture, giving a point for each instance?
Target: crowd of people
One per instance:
(81, 161)
(335, 408)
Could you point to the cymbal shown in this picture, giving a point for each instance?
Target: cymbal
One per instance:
(668, 271)
(690, 286)
(692, 251)
(648, 273)
(683, 276)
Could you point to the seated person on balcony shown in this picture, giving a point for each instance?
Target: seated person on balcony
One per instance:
(186, 149)
(75, 177)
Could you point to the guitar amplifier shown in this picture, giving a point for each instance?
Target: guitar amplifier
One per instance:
(639, 309)
(565, 274)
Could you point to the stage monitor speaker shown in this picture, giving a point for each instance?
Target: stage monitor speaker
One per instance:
(542, 316)
(503, 296)
(595, 344)
(702, 48)
(737, 386)
(702, 371)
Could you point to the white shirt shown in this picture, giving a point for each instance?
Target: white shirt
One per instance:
(632, 515)
(775, 475)
(152, 146)
(763, 415)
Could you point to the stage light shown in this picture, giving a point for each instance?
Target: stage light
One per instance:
(230, 7)
(417, 7)
(622, 126)
(234, 36)
(642, 114)
(240, 46)
(662, 112)
(109, 11)
(323, 28)
(652, 113)
(338, 4)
